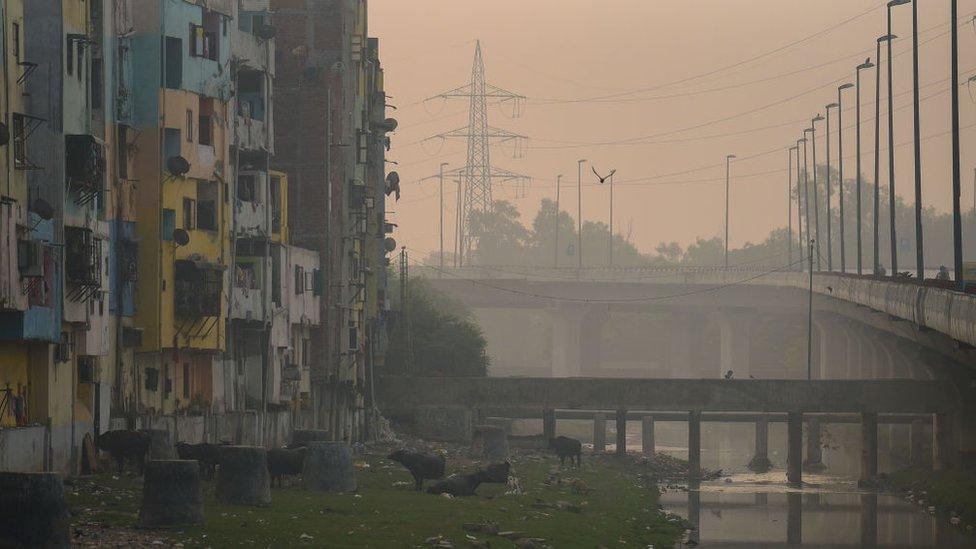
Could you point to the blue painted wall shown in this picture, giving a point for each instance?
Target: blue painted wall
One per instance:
(120, 229)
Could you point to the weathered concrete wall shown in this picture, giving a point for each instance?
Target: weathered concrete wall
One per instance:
(270, 430)
(22, 449)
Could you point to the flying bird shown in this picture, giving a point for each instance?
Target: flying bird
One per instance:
(603, 178)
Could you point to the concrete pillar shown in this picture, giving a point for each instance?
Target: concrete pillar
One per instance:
(869, 447)
(944, 447)
(548, 424)
(567, 338)
(869, 520)
(599, 433)
(681, 346)
(794, 448)
(621, 433)
(694, 444)
(694, 515)
(794, 519)
(814, 462)
(919, 454)
(760, 460)
(591, 340)
(735, 332)
(647, 435)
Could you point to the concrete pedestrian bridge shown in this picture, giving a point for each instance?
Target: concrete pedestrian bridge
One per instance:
(935, 405)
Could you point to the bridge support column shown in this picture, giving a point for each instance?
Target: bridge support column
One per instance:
(760, 461)
(869, 447)
(599, 433)
(621, 433)
(869, 520)
(681, 347)
(735, 331)
(814, 462)
(694, 445)
(918, 457)
(794, 448)
(944, 447)
(548, 424)
(647, 435)
(567, 340)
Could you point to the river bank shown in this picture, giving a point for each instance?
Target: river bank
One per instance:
(951, 494)
(608, 502)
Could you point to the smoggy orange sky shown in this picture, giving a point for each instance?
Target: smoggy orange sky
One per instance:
(581, 49)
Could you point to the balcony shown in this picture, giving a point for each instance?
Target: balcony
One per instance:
(250, 205)
(198, 288)
(247, 289)
(252, 135)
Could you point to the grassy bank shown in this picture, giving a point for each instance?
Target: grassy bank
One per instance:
(950, 492)
(612, 504)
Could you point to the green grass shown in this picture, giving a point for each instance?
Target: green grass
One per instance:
(948, 491)
(620, 510)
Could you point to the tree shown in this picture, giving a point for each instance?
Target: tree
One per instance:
(441, 333)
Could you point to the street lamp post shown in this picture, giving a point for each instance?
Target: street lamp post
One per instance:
(840, 170)
(789, 208)
(806, 190)
(816, 190)
(728, 171)
(860, 255)
(891, 149)
(441, 258)
(917, 142)
(555, 227)
(877, 154)
(956, 173)
(611, 216)
(830, 251)
(579, 216)
(799, 205)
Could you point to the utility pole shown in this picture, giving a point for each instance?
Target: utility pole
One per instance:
(441, 258)
(891, 150)
(799, 205)
(728, 172)
(789, 207)
(579, 216)
(877, 157)
(806, 191)
(917, 141)
(457, 224)
(810, 318)
(956, 167)
(555, 227)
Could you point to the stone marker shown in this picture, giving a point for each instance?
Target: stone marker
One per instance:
(33, 512)
(171, 494)
(160, 444)
(329, 467)
(301, 437)
(492, 441)
(242, 477)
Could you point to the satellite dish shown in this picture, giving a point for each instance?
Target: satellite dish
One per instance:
(181, 237)
(392, 179)
(266, 32)
(177, 165)
(4, 134)
(390, 244)
(42, 208)
(388, 125)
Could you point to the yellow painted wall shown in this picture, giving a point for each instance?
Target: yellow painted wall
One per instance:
(282, 236)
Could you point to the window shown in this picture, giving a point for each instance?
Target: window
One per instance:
(306, 352)
(299, 280)
(20, 140)
(186, 380)
(123, 155)
(171, 142)
(205, 129)
(15, 32)
(318, 282)
(275, 201)
(169, 224)
(207, 205)
(203, 39)
(69, 56)
(246, 188)
(173, 66)
(276, 275)
(189, 126)
(189, 213)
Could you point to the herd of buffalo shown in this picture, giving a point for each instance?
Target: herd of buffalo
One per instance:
(134, 446)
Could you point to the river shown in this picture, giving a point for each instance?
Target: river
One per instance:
(751, 511)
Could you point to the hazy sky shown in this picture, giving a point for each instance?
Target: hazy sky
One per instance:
(584, 49)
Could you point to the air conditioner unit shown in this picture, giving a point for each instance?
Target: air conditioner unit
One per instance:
(30, 258)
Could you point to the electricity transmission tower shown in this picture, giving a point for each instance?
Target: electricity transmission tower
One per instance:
(478, 174)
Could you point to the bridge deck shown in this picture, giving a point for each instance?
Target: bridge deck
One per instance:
(706, 395)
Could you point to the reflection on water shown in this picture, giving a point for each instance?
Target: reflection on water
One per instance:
(760, 511)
